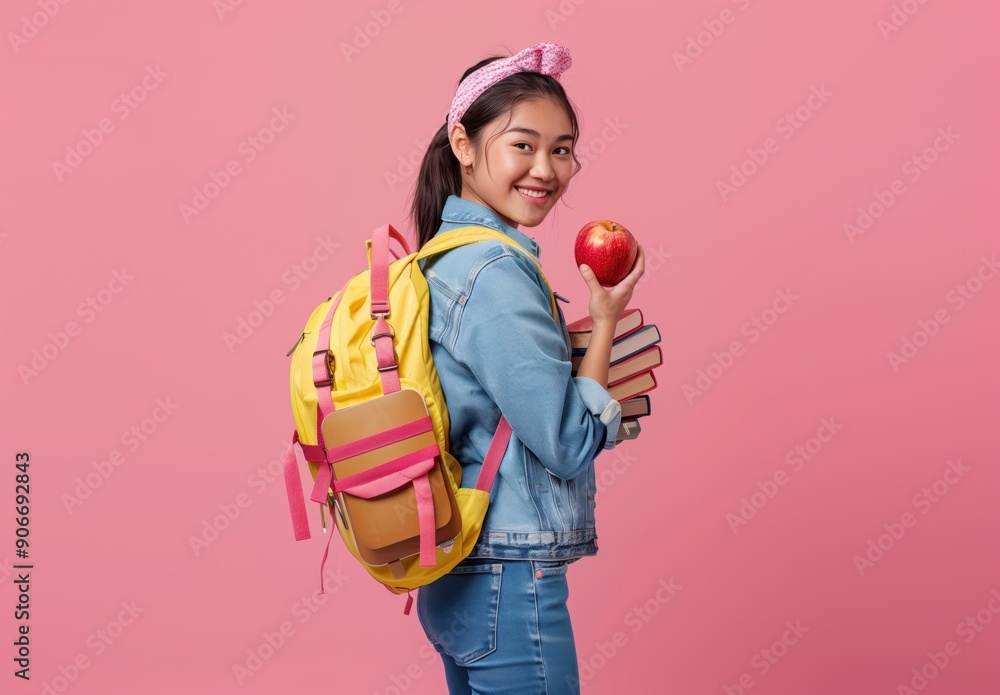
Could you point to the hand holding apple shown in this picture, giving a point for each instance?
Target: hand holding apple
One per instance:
(608, 248)
(608, 303)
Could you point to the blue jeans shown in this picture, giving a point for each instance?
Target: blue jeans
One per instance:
(502, 626)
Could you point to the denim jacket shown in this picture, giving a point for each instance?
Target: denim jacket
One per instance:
(497, 349)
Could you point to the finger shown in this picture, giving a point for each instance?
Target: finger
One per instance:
(640, 261)
(589, 276)
(637, 269)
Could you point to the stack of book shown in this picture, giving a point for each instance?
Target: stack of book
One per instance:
(634, 354)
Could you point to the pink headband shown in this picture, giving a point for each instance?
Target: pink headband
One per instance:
(546, 58)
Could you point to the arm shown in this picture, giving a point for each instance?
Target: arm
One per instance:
(509, 340)
(606, 307)
(598, 356)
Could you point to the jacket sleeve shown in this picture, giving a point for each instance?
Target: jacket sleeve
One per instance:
(508, 339)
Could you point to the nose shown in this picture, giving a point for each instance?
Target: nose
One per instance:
(542, 168)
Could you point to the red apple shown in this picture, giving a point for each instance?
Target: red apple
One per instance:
(608, 248)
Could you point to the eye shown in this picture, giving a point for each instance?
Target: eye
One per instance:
(518, 144)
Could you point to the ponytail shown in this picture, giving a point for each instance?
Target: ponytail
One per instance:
(440, 176)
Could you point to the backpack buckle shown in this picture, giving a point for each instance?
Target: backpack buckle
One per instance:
(383, 314)
(329, 371)
(395, 357)
(391, 334)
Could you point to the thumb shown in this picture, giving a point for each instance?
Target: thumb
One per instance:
(589, 276)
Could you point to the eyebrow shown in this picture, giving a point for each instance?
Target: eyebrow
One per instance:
(535, 133)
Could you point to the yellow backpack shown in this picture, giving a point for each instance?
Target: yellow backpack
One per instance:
(371, 421)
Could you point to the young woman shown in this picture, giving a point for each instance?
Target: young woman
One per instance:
(499, 619)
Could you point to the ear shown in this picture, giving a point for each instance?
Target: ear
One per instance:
(460, 145)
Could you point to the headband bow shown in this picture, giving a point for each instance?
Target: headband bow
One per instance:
(545, 58)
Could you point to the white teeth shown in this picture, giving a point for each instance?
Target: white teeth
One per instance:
(533, 194)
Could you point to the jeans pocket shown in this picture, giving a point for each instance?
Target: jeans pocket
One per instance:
(549, 568)
(461, 609)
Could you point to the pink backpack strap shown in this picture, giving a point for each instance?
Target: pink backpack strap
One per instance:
(322, 379)
(383, 334)
(293, 487)
(385, 353)
(312, 452)
(380, 267)
(494, 455)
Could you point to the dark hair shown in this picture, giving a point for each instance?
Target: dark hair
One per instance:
(440, 172)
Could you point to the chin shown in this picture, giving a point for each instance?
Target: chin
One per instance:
(530, 224)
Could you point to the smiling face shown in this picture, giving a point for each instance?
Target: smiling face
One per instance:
(525, 168)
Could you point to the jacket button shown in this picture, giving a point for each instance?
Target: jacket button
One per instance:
(539, 574)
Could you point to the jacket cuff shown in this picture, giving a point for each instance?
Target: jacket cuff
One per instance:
(599, 401)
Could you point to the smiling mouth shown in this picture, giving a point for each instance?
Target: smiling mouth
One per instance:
(537, 195)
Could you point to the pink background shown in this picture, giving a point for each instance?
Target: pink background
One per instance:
(716, 262)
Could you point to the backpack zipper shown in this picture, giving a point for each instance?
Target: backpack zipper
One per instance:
(301, 338)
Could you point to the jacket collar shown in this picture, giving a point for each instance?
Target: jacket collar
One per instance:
(460, 211)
